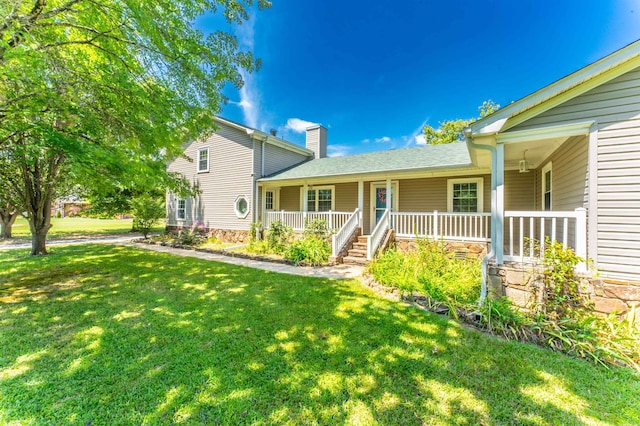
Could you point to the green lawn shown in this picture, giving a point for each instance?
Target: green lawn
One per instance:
(71, 227)
(107, 335)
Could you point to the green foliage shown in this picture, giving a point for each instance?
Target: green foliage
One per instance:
(147, 211)
(430, 270)
(562, 292)
(255, 231)
(105, 93)
(452, 130)
(317, 228)
(310, 249)
(277, 236)
(562, 318)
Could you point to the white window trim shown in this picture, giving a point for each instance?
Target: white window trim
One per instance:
(543, 179)
(316, 188)
(178, 218)
(238, 213)
(206, 148)
(479, 181)
(276, 199)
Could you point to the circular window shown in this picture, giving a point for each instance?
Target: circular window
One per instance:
(241, 206)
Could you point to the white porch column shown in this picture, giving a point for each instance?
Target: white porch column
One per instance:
(389, 205)
(581, 237)
(499, 204)
(592, 206)
(360, 205)
(263, 202)
(305, 197)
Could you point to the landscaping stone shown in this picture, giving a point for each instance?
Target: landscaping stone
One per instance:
(608, 306)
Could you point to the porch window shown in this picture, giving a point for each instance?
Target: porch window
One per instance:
(268, 200)
(320, 199)
(181, 209)
(546, 187)
(464, 195)
(203, 160)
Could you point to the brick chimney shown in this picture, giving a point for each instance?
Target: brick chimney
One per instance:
(317, 140)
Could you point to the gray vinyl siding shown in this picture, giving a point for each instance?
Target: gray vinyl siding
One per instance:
(277, 159)
(615, 108)
(231, 164)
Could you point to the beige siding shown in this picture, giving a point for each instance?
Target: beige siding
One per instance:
(519, 191)
(290, 198)
(277, 159)
(346, 197)
(615, 108)
(230, 168)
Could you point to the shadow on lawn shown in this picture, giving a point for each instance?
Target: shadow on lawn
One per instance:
(105, 335)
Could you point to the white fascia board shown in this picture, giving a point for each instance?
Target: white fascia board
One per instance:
(566, 130)
(289, 146)
(605, 67)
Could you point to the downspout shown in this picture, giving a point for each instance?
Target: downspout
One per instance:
(494, 199)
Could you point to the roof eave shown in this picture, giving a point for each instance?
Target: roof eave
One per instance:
(503, 119)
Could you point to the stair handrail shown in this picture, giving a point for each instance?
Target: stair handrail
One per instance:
(378, 233)
(340, 239)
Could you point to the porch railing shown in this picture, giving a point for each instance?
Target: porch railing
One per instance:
(526, 233)
(378, 233)
(341, 238)
(450, 226)
(296, 220)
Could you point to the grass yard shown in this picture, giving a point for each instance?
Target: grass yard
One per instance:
(106, 335)
(71, 227)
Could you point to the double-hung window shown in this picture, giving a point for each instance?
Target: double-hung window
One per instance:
(181, 209)
(203, 160)
(320, 199)
(269, 200)
(546, 187)
(465, 195)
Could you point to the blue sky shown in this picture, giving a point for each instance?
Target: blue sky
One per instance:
(374, 72)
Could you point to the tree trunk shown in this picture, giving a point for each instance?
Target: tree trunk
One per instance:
(39, 243)
(40, 223)
(6, 220)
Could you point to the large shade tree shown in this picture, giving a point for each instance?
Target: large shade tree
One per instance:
(103, 89)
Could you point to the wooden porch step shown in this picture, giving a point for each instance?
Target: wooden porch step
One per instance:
(355, 260)
(362, 239)
(357, 253)
(360, 246)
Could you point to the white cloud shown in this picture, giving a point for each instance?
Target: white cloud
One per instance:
(338, 150)
(384, 139)
(416, 137)
(298, 125)
(366, 140)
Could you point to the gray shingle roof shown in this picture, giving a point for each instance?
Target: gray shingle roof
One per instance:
(454, 155)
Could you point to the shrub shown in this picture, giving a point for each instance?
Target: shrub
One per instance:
(277, 236)
(317, 228)
(255, 231)
(147, 211)
(430, 270)
(194, 235)
(310, 249)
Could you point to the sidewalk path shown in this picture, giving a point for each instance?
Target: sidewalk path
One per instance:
(336, 272)
(82, 240)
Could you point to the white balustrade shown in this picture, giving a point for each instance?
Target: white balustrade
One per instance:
(341, 238)
(378, 233)
(449, 226)
(297, 220)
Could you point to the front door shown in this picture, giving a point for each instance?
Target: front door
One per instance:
(379, 201)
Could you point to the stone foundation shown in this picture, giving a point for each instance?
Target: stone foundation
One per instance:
(224, 235)
(520, 282)
(460, 248)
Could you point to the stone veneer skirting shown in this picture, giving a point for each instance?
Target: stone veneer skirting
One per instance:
(519, 283)
(224, 235)
(462, 248)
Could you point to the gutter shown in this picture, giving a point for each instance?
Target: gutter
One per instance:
(494, 185)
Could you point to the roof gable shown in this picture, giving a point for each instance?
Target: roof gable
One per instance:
(560, 91)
